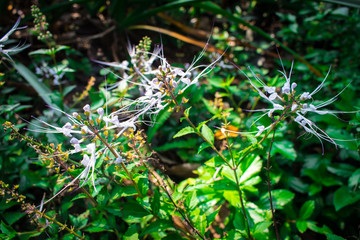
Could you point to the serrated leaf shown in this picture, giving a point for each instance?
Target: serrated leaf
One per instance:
(207, 133)
(307, 209)
(184, 131)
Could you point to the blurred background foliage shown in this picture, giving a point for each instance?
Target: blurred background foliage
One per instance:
(313, 34)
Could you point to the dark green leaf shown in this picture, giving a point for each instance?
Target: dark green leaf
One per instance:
(155, 203)
(344, 197)
(203, 146)
(43, 91)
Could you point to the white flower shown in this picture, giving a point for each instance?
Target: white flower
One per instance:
(305, 96)
(100, 111)
(86, 108)
(286, 88)
(119, 160)
(66, 129)
(85, 129)
(5, 40)
(261, 129)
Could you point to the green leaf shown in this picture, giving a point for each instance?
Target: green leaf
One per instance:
(207, 133)
(342, 11)
(350, 3)
(49, 51)
(156, 226)
(99, 225)
(354, 179)
(307, 209)
(160, 120)
(217, 81)
(155, 203)
(280, 197)
(190, 143)
(200, 220)
(285, 148)
(192, 200)
(260, 227)
(131, 233)
(301, 226)
(203, 146)
(12, 217)
(330, 236)
(187, 111)
(8, 230)
(43, 91)
(344, 197)
(133, 212)
(250, 167)
(184, 131)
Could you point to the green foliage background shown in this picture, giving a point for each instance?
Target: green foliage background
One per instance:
(315, 191)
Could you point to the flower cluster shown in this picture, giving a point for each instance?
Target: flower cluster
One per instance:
(95, 134)
(52, 73)
(5, 40)
(89, 135)
(286, 102)
(157, 80)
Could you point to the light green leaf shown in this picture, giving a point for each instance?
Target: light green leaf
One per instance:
(250, 166)
(184, 131)
(280, 197)
(192, 200)
(307, 209)
(285, 148)
(8, 230)
(301, 226)
(260, 227)
(207, 133)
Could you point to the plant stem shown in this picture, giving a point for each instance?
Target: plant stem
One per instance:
(242, 205)
(234, 168)
(269, 187)
(112, 150)
(63, 226)
(164, 186)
